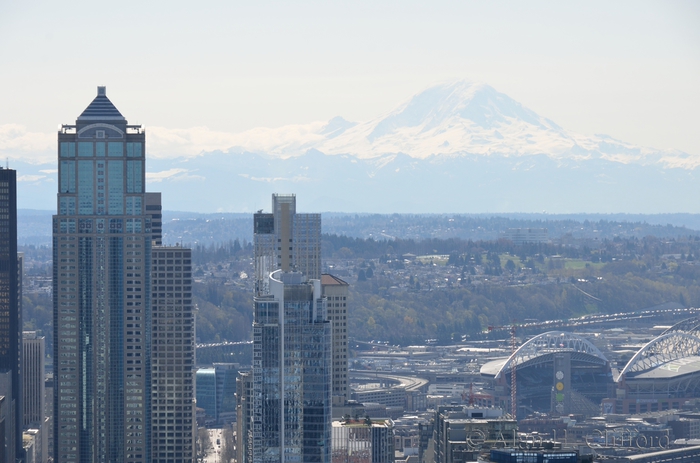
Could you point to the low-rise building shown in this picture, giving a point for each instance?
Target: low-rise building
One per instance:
(362, 441)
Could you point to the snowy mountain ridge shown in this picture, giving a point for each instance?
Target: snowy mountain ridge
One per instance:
(452, 119)
(455, 147)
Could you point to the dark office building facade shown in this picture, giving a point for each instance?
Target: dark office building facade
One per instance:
(10, 313)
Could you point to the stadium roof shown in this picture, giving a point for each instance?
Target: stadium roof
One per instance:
(537, 349)
(669, 355)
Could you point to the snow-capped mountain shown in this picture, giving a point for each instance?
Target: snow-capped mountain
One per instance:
(452, 119)
(456, 147)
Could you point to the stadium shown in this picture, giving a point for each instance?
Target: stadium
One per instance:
(662, 375)
(557, 372)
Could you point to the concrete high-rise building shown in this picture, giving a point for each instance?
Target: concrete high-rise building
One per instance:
(287, 240)
(33, 364)
(291, 394)
(173, 357)
(102, 238)
(33, 391)
(335, 291)
(10, 312)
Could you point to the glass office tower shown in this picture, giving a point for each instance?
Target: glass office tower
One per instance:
(102, 237)
(291, 412)
(10, 312)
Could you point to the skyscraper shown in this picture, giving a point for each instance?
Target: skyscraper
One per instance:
(173, 357)
(102, 238)
(291, 411)
(336, 291)
(10, 313)
(33, 396)
(287, 411)
(285, 239)
(34, 410)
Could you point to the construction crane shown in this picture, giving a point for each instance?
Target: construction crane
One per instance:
(513, 367)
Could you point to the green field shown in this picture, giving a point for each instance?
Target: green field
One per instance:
(437, 259)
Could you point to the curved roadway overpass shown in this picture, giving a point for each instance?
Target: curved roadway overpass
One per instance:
(409, 383)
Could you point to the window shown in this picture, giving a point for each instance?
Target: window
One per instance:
(100, 148)
(85, 187)
(115, 179)
(85, 149)
(67, 149)
(133, 150)
(115, 149)
(134, 182)
(67, 180)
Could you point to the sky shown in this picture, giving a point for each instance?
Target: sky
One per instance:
(629, 69)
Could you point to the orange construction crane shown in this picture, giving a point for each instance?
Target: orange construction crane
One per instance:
(513, 368)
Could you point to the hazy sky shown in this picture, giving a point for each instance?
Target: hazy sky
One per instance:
(627, 69)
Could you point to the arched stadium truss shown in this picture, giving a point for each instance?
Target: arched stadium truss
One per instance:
(674, 345)
(540, 348)
(689, 325)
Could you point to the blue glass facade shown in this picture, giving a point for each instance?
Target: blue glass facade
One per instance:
(291, 419)
(206, 391)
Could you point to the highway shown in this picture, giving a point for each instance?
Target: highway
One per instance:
(409, 383)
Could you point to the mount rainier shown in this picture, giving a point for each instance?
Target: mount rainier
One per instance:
(459, 147)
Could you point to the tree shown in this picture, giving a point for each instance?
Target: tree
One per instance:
(361, 276)
(510, 266)
(204, 439)
(228, 452)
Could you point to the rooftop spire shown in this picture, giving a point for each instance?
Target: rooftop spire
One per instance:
(101, 109)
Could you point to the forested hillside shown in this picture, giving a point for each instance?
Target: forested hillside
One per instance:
(461, 287)
(408, 290)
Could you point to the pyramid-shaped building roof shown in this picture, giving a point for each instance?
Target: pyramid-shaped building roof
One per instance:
(101, 109)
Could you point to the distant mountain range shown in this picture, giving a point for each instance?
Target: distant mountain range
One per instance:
(460, 147)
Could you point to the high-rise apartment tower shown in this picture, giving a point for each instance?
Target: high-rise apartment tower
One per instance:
(102, 237)
(336, 292)
(33, 362)
(173, 357)
(33, 391)
(287, 240)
